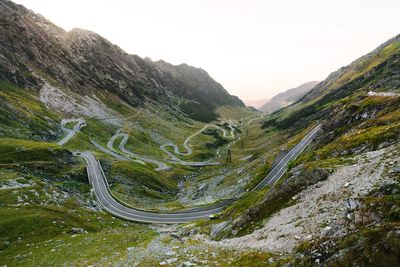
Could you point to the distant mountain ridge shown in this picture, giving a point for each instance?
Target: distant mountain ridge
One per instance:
(256, 103)
(34, 51)
(288, 97)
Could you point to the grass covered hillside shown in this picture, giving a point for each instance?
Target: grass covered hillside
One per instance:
(23, 116)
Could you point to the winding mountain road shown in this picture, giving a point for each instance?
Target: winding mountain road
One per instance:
(255, 119)
(189, 151)
(177, 160)
(100, 186)
(108, 151)
(71, 132)
(174, 159)
(187, 140)
(161, 166)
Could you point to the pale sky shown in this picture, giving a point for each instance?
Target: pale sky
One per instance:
(254, 48)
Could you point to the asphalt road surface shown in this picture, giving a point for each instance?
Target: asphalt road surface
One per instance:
(107, 151)
(277, 172)
(101, 190)
(100, 186)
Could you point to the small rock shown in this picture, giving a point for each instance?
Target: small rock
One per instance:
(352, 203)
(77, 230)
(188, 264)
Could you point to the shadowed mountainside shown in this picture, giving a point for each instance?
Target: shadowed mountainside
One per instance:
(86, 63)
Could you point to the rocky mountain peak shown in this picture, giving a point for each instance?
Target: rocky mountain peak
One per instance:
(35, 51)
(81, 35)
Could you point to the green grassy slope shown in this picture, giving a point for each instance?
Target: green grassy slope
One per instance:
(23, 116)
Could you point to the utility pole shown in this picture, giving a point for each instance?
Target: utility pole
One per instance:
(229, 156)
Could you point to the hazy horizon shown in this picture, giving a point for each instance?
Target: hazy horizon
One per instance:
(253, 48)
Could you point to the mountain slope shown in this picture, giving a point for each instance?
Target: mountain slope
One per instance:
(34, 52)
(286, 98)
(378, 71)
(338, 203)
(359, 68)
